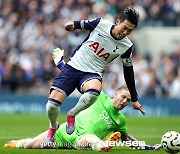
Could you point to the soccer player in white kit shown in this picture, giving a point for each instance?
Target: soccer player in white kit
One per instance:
(105, 42)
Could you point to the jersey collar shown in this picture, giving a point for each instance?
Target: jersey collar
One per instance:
(112, 27)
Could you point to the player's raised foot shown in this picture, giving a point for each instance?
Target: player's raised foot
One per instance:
(11, 144)
(114, 137)
(70, 126)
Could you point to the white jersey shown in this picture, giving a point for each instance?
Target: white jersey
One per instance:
(99, 48)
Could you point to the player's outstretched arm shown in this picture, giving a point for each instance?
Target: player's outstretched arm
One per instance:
(129, 78)
(82, 24)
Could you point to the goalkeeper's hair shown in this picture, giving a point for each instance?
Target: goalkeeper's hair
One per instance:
(131, 15)
(124, 87)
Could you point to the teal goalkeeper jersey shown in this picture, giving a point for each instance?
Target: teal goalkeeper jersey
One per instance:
(100, 119)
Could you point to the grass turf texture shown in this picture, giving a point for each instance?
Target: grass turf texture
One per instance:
(17, 126)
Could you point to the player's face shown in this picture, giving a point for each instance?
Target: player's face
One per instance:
(122, 29)
(121, 99)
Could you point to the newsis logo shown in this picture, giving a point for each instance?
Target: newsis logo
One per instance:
(105, 117)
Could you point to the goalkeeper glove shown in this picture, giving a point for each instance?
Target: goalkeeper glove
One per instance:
(58, 57)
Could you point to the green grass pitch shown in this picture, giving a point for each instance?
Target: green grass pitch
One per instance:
(17, 126)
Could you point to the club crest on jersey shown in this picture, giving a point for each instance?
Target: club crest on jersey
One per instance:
(117, 47)
(98, 52)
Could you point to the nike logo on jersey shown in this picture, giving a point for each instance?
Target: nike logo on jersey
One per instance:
(101, 35)
(98, 52)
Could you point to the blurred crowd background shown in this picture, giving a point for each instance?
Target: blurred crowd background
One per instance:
(31, 29)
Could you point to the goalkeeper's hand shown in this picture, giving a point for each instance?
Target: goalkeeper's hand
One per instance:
(57, 55)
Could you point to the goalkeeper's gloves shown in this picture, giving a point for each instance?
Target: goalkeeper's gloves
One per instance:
(58, 57)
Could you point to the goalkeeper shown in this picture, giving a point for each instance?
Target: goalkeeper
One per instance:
(92, 124)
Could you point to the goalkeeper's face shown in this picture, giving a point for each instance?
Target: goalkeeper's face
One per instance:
(121, 99)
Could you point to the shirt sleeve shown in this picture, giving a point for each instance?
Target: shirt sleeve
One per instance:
(86, 24)
(129, 73)
(127, 57)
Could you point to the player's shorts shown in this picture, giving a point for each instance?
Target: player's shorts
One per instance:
(63, 140)
(70, 78)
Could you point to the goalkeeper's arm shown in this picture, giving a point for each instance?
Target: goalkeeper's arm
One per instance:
(140, 146)
(58, 57)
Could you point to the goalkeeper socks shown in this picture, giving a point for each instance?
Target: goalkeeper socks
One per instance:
(20, 143)
(52, 111)
(86, 100)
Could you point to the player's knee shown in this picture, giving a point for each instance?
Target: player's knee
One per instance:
(89, 141)
(90, 96)
(52, 106)
(93, 93)
(85, 141)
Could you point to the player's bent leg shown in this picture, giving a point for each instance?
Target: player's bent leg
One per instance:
(93, 142)
(92, 90)
(39, 142)
(90, 141)
(86, 100)
(52, 111)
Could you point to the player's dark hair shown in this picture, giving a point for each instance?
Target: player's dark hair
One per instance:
(131, 15)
